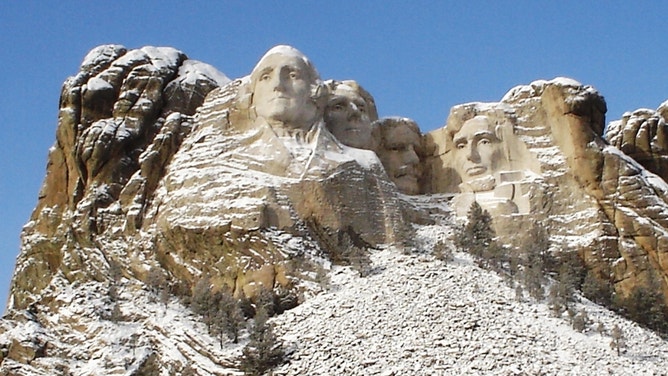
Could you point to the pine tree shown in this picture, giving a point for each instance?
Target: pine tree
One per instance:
(597, 290)
(617, 342)
(225, 316)
(580, 321)
(263, 350)
(201, 300)
(561, 292)
(156, 280)
(477, 235)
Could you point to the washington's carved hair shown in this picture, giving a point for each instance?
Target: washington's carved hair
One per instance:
(319, 90)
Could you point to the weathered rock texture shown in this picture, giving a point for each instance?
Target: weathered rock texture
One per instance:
(643, 136)
(592, 198)
(162, 162)
(121, 119)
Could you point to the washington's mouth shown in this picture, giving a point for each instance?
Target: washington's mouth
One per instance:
(279, 97)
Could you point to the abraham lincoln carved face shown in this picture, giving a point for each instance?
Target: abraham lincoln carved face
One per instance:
(478, 150)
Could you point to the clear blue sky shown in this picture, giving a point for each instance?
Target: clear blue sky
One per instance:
(418, 59)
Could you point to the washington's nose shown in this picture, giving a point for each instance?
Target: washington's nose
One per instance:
(278, 83)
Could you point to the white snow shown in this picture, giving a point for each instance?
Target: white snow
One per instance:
(100, 54)
(419, 316)
(96, 84)
(191, 70)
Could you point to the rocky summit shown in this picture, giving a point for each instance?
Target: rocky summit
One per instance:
(192, 224)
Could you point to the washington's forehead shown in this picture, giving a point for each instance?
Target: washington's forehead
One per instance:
(275, 61)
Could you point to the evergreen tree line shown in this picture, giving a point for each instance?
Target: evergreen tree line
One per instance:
(532, 268)
(226, 316)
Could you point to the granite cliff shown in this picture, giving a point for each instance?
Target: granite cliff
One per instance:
(280, 181)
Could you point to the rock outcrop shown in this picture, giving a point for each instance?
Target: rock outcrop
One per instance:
(162, 158)
(643, 136)
(560, 172)
(162, 163)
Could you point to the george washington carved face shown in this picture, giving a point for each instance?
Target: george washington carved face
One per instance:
(349, 115)
(283, 83)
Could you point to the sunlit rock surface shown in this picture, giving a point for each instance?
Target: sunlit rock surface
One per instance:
(162, 162)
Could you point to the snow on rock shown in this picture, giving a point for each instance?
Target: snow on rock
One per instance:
(99, 55)
(419, 316)
(192, 70)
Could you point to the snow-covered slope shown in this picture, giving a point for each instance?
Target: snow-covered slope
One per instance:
(413, 315)
(420, 316)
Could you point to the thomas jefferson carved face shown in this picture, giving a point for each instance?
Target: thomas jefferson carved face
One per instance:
(477, 149)
(282, 83)
(398, 153)
(349, 115)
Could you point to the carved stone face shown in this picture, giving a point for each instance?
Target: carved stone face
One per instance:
(282, 86)
(477, 150)
(398, 154)
(347, 117)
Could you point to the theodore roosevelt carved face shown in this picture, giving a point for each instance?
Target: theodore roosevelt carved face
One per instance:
(398, 152)
(283, 86)
(350, 113)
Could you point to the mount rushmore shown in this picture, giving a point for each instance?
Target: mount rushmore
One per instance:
(162, 161)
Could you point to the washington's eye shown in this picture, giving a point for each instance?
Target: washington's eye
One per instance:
(337, 105)
(484, 141)
(460, 145)
(265, 77)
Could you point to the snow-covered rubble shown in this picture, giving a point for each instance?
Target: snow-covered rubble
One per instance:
(413, 315)
(419, 316)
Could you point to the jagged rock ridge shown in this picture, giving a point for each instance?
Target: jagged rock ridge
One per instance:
(162, 162)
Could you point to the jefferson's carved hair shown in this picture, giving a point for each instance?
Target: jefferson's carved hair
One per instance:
(352, 84)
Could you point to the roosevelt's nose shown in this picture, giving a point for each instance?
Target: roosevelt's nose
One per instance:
(410, 156)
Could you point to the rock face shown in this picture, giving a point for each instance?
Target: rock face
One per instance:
(162, 163)
(643, 136)
(556, 169)
(121, 119)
